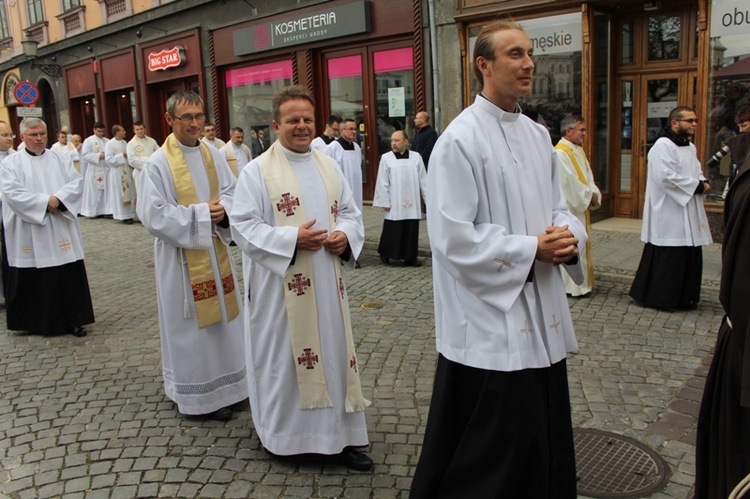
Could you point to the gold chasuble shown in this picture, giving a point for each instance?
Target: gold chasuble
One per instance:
(201, 272)
(299, 284)
(581, 178)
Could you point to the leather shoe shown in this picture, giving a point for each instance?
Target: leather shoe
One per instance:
(385, 259)
(223, 414)
(353, 459)
(414, 263)
(76, 331)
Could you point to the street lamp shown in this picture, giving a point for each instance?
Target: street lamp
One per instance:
(29, 46)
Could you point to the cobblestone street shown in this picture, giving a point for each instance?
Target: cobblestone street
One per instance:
(88, 418)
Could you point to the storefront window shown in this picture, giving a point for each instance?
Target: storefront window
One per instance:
(249, 93)
(664, 37)
(394, 94)
(556, 90)
(599, 129)
(729, 82)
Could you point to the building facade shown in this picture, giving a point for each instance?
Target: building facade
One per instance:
(622, 65)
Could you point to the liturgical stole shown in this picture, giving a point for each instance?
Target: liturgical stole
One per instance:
(200, 270)
(299, 284)
(582, 178)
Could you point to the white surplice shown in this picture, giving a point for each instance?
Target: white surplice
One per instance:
(350, 163)
(319, 144)
(673, 215)
(203, 368)
(216, 143)
(579, 197)
(241, 152)
(139, 150)
(400, 182)
(96, 178)
(120, 178)
(284, 428)
(493, 187)
(34, 237)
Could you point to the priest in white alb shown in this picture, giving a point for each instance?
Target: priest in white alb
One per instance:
(499, 423)
(140, 148)
(185, 194)
(347, 153)
(120, 188)
(401, 180)
(581, 193)
(296, 221)
(96, 202)
(236, 150)
(48, 291)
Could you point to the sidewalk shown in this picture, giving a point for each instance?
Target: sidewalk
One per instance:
(616, 246)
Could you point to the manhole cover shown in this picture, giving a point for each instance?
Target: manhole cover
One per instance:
(371, 305)
(610, 465)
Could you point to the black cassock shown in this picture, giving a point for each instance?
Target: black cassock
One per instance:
(723, 440)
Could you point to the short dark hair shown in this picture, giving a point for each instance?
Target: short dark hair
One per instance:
(208, 123)
(182, 97)
(138, 123)
(334, 118)
(98, 124)
(115, 129)
(485, 44)
(289, 93)
(236, 129)
(678, 112)
(743, 115)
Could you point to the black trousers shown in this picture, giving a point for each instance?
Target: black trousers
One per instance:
(493, 434)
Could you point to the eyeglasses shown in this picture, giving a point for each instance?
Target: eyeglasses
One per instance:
(691, 120)
(188, 118)
(7, 135)
(35, 135)
(350, 128)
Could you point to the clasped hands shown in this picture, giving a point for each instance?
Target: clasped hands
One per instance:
(53, 205)
(217, 211)
(557, 245)
(314, 239)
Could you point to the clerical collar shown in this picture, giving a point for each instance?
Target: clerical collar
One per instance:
(33, 153)
(401, 155)
(325, 138)
(518, 107)
(677, 139)
(348, 146)
(296, 156)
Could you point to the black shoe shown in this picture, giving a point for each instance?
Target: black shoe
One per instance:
(357, 265)
(128, 221)
(385, 260)
(353, 459)
(76, 331)
(223, 414)
(414, 263)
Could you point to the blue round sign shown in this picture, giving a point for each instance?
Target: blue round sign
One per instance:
(26, 93)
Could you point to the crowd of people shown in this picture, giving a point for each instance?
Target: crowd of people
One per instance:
(509, 223)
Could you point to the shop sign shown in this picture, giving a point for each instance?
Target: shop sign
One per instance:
(558, 39)
(324, 24)
(172, 58)
(729, 17)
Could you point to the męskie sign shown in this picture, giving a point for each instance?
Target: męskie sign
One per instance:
(171, 58)
(333, 22)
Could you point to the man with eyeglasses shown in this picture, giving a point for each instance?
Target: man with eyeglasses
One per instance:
(185, 193)
(675, 225)
(209, 136)
(581, 193)
(331, 133)
(121, 191)
(6, 149)
(48, 291)
(96, 202)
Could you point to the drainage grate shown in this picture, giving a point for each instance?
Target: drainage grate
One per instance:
(612, 466)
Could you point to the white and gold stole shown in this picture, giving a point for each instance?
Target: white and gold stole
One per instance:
(76, 162)
(581, 178)
(205, 293)
(299, 284)
(231, 159)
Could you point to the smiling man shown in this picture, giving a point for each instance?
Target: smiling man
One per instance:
(296, 220)
(499, 422)
(185, 193)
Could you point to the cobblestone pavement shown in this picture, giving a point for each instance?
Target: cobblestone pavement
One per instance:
(87, 417)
